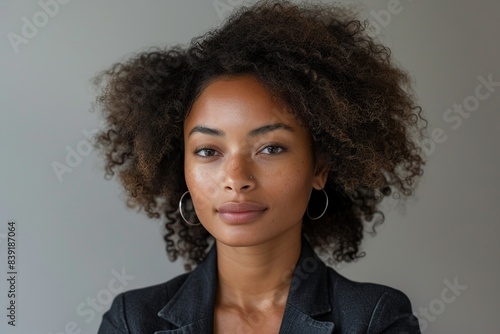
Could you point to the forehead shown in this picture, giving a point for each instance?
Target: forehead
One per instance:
(238, 99)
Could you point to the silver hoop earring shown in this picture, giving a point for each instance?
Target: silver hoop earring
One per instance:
(182, 214)
(321, 215)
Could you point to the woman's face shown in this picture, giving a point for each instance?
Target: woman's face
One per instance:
(248, 163)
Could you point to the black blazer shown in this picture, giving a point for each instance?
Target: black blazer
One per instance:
(320, 301)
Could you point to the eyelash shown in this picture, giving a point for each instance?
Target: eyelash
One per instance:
(275, 146)
(198, 150)
(209, 149)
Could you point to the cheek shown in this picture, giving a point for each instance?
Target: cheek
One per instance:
(201, 186)
(292, 186)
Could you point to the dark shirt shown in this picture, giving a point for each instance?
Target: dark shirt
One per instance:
(320, 301)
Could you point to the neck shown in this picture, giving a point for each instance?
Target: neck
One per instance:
(259, 276)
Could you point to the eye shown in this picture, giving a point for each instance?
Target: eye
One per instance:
(205, 152)
(273, 149)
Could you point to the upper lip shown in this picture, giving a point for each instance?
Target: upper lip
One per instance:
(240, 207)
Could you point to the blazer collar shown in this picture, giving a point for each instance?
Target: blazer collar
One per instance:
(191, 308)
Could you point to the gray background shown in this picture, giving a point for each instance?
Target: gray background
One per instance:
(72, 234)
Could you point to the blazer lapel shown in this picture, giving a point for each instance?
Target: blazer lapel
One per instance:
(308, 297)
(191, 308)
(202, 326)
(298, 322)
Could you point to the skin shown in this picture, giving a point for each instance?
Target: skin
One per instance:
(235, 130)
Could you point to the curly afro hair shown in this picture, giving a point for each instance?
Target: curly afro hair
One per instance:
(321, 60)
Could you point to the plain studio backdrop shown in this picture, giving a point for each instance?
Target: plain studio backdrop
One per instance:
(77, 245)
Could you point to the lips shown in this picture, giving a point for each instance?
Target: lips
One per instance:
(240, 207)
(240, 212)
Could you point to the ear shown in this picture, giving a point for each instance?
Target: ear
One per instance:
(320, 174)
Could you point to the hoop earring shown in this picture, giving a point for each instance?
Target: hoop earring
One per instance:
(321, 215)
(180, 210)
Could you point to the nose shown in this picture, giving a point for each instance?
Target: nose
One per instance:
(238, 174)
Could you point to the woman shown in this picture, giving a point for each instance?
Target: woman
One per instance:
(265, 141)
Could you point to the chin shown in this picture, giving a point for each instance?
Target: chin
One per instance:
(244, 238)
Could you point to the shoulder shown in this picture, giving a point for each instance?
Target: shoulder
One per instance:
(361, 292)
(376, 307)
(136, 311)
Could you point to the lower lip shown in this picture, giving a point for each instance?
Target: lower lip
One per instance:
(240, 217)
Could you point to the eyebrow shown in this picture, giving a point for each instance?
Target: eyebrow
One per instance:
(254, 133)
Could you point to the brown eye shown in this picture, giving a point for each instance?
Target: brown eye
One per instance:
(273, 149)
(205, 152)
